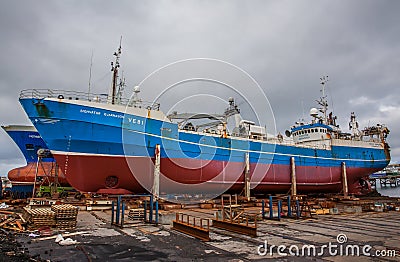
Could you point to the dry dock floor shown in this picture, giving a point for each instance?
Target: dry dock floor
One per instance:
(146, 242)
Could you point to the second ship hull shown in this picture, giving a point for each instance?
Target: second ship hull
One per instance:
(29, 142)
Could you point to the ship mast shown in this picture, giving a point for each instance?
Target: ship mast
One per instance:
(323, 102)
(114, 69)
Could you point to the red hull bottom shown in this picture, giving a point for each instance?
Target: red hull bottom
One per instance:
(90, 173)
(26, 174)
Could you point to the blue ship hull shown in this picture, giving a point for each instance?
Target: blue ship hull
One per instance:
(29, 142)
(100, 147)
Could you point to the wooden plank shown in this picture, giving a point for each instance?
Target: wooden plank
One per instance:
(19, 225)
(6, 222)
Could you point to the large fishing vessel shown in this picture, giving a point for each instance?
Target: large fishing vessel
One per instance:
(105, 143)
(29, 143)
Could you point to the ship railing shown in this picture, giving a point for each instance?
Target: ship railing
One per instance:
(310, 146)
(371, 139)
(85, 96)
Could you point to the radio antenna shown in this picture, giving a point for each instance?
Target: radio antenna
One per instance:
(90, 74)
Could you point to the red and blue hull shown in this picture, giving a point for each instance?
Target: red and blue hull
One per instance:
(90, 173)
(102, 147)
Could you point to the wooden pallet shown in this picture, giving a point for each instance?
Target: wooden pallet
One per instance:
(66, 224)
(39, 217)
(65, 211)
(40, 212)
(60, 216)
(66, 216)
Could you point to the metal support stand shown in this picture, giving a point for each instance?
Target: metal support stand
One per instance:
(156, 212)
(145, 209)
(156, 181)
(112, 212)
(344, 180)
(279, 209)
(36, 173)
(118, 210)
(263, 208)
(271, 210)
(55, 183)
(247, 177)
(151, 209)
(293, 188)
(279, 205)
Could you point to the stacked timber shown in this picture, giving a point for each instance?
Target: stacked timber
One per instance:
(66, 216)
(39, 217)
(12, 220)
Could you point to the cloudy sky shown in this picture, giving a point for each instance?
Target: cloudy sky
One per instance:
(286, 46)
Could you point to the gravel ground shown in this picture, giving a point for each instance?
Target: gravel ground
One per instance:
(11, 250)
